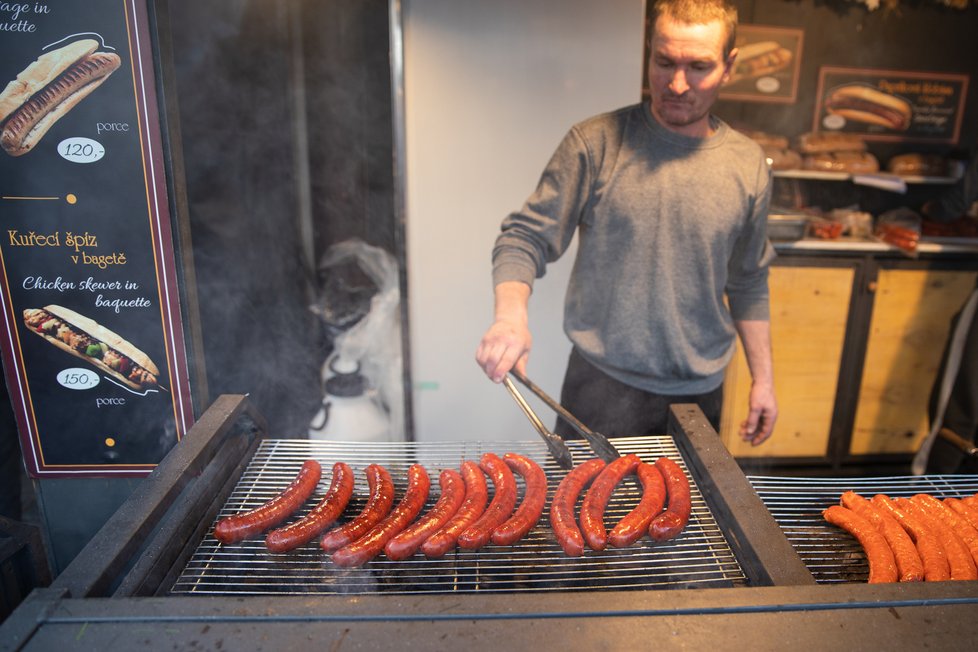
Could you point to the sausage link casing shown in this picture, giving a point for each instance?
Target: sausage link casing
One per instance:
(534, 498)
(910, 568)
(319, 517)
(597, 497)
(636, 523)
(368, 546)
(562, 520)
(378, 505)
(476, 497)
(241, 526)
(500, 507)
(959, 559)
(882, 565)
(670, 523)
(407, 542)
(931, 552)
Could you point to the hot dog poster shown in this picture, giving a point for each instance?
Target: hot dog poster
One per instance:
(767, 65)
(888, 105)
(92, 338)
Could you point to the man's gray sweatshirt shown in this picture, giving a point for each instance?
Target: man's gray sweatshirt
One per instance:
(667, 224)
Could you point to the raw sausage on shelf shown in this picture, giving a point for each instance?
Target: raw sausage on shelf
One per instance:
(910, 568)
(636, 523)
(407, 542)
(500, 507)
(882, 565)
(378, 505)
(255, 521)
(597, 497)
(671, 522)
(319, 517)
(534, 499)
(562, 520)
(368, 546)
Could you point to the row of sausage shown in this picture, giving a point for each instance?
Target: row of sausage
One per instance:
(464, 515)
(922, 538)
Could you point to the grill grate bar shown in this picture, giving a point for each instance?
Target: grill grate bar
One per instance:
(701, 557)
(831, 554)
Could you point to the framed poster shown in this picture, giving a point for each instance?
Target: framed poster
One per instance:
(90, 315)
(767, 65)
(891, 105)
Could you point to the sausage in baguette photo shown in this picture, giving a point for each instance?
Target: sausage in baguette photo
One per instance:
(47, 89)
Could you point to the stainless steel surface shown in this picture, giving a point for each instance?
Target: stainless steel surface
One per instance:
(700, 557)
(831, 554)
(558, 449)
(598, 442)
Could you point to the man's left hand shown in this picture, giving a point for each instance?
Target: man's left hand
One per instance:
(763, 412)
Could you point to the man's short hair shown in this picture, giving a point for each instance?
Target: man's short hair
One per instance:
(699, 12)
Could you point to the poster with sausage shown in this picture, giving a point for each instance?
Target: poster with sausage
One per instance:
(93, 346)
(890, 105)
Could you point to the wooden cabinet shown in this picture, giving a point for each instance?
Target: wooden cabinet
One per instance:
(809, 312)
(857, 342)
(912, 311)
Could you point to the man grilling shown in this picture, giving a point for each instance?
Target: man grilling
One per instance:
(670, 208)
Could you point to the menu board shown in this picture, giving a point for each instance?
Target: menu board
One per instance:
(890, 105)
(92, 338)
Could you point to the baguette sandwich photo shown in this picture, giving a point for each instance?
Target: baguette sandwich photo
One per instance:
(760, 59)
(93, 343)
(866, 104)
(47, 89)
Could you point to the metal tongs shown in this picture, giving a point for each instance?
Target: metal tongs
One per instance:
(598, 442)
(558, 449)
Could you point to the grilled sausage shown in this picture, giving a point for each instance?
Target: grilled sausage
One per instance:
(241, 526)
(882, 565)
(636, 523)
(910, 568)
(534, 498)
(378, 505)
(369, 545)
(500, 507)
(959, 559)
(476, 497)
(319, 517)
(407, 542)
(597, 497)
(931, 552)
(671, 522)
(960, 526)
(562, 520)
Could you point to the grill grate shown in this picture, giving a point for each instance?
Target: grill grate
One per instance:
(700, 557)
(832, 555)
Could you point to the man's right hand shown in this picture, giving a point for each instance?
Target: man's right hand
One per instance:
(507, 342)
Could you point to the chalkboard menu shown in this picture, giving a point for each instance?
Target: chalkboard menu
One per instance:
(92, 338)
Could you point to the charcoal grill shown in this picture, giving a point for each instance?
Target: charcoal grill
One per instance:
(154, 577)
(702, 557)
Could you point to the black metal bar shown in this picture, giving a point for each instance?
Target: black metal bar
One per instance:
(765, 554)
(192, 512)
(106, 557)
